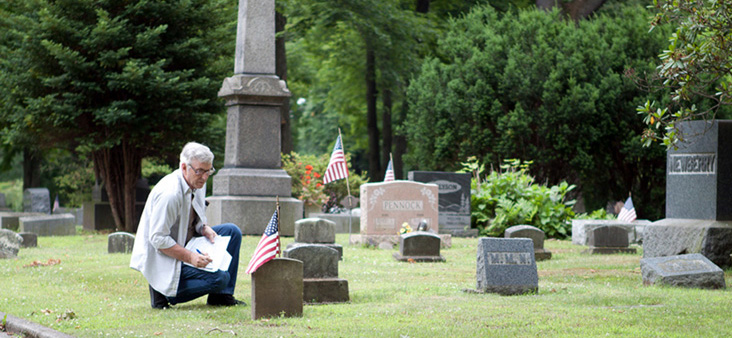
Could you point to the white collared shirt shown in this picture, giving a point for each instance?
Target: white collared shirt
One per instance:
(164, 223)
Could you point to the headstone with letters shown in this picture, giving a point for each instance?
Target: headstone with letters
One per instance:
(690, 270)
(386, 206)
(698, 202)
(506, 266)
(454, 195)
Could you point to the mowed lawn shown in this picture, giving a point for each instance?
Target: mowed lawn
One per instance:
(73, 285)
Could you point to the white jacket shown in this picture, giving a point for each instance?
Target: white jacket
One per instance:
(164, 222)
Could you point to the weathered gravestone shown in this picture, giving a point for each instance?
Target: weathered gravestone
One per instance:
(277, 289)
(582, 227)
(37, 200)
(97, 213)
(385, 206)
(49, 225)
(320, 273)
(247, 188)
(535, 234)
(419, 246)
(120, 242)
(316, 231)
(3, 206)
(454, 197)
(698, 199)
(9, 220)
(608, 239)
(9, 243)
(30, 240)
(690, 270)
(506, 266)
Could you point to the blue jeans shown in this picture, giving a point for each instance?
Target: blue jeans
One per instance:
(195, 282)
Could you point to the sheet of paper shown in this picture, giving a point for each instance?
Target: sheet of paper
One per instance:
(220, 258)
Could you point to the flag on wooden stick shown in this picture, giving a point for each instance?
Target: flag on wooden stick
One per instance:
(269, 245)
(337, 167)
(627, 213)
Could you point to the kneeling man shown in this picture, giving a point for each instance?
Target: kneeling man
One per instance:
(175, 212)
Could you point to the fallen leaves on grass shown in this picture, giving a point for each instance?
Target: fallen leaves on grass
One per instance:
(51, 261)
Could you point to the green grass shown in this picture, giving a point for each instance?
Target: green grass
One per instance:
(579, 295)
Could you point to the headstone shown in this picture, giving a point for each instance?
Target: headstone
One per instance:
(608, 239)
(3, 206)
(37, 200)
(97, 213)
(277, 289)
(30, 240)
(49, 225)
(246, 190)
(9, 243)
(581, 227)
(9, 220)
(690, 270)
(698, 209)
(506, 266)
(419, 246)
(120, 242)
(345, 223)
(535, 234)
(454, 196)
(316, 231)
(318, 261)
(385, 206)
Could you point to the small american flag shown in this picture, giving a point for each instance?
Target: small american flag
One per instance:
(389, 176)
(627, 214)
(337, 168)
(268, 247)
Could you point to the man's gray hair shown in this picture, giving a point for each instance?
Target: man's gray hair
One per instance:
(196, 151)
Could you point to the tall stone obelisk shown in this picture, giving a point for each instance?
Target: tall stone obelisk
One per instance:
(245, 190)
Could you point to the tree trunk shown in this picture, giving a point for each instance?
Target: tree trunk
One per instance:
(386, 129)
(31, 168)
(281, 72)
(400, 142)
(120, 168)
(423, 6)
(371, 116)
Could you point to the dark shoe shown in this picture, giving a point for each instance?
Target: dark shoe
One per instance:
(157, 299)
(220, 299)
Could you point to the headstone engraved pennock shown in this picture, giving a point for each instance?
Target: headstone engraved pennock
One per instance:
(245, 190)
(419, 246)
(535, 234)
(277, 289)
(608, 239)
(454, 196)
(690, 270)
(698, 199)
(385, 206)
(506, 266)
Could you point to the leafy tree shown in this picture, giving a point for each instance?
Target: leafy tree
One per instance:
(695, 66)
(532, 86)
(118, 80)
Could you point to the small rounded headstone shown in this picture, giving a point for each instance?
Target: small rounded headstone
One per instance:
(30, 239)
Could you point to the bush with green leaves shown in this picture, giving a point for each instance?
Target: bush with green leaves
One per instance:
(510, 197)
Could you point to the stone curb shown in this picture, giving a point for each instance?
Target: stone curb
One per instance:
(18, 326)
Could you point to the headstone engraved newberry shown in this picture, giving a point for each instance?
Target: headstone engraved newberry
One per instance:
(608, 239)
(49, 225)
(698, 202)
(690, 270)
(386, 206)
(535, 234)
(37, 200)
(454, 196)
(419, 246)
(120, 242)
(277, 289)
(10, 243)
(246, 190)
(315, 246)
(506, 266)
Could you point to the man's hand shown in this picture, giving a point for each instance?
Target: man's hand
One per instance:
(208, 232)
(200, 260)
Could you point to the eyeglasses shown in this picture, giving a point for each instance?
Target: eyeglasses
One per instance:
(200, 172)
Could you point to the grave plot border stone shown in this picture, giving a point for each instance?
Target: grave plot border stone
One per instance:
(601, 242)
(408, 253)
(690, 270)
